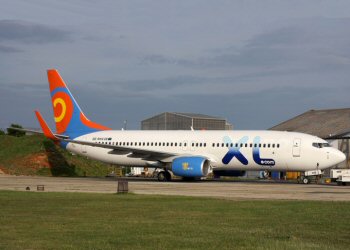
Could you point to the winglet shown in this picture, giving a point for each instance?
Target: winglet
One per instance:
(47, 131)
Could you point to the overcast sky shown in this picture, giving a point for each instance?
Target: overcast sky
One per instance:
(256, 63)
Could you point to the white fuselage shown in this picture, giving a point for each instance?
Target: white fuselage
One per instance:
(274, 150)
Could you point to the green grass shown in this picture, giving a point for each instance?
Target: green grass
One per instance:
(32, 220)
(36, 155)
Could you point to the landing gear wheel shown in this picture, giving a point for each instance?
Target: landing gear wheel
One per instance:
(161, 176)
(164, 176)
(305, 180)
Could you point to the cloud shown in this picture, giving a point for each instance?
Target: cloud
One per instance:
(27, 32)
(305, 44)
(8, 49)
(161, 59)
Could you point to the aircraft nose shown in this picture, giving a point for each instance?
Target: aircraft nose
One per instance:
(339, 156)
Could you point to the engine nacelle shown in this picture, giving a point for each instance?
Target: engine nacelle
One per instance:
(191, 166)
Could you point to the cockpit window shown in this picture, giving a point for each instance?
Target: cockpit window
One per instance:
(320, 145)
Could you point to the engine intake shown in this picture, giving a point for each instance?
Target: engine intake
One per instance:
(193, 166)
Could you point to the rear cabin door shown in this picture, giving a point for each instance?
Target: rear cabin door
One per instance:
(296, 147)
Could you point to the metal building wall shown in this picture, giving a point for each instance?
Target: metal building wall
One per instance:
(154, 123)
(177, 121)
(209, 124)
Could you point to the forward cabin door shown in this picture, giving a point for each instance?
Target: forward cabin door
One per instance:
(296, 147)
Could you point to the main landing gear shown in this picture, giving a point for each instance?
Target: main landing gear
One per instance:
(164, 176)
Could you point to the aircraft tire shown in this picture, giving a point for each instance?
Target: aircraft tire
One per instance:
(162, 176)
(305, 180)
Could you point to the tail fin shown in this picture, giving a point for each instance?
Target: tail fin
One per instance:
(69, 118)
(44, 127)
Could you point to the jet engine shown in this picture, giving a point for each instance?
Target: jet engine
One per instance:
(191, 166)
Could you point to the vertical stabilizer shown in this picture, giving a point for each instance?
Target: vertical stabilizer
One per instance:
(69, 118)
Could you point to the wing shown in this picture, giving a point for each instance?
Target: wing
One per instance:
(148, 155)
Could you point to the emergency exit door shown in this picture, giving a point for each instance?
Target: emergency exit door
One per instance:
(296, 147)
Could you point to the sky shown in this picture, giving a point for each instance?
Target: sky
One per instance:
(255, 63)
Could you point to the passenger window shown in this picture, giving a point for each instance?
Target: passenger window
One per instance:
(213, 145)
(226, 144)
(171, 144)
(175, 144)
(246, 145)
(167, 144)
(273, 145)
(205, 144)
(222, 144)
(278, 145)
(217, 144)
(180, 144)
(236, 145)
(268, 145)
(197, 144)
(200, 144)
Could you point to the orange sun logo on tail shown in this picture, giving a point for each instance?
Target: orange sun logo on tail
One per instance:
(63, 111)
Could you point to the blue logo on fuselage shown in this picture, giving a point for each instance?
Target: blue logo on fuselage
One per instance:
(234, 152)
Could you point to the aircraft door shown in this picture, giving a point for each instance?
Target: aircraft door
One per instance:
(296, 147)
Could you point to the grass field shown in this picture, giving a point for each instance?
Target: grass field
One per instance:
(32, 220)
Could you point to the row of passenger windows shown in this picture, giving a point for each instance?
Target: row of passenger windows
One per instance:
(247, 145)
(197, 144)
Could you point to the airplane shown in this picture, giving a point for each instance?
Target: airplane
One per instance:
(187, 154)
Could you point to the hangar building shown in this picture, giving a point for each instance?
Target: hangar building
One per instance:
(327, 124)
(184, 121)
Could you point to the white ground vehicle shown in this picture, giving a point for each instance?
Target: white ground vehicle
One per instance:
(341, 176)
(308, 176)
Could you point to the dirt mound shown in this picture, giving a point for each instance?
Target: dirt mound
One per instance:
(2, 170)
(35, 161)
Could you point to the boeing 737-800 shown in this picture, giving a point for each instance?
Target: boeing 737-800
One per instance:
(188, 154)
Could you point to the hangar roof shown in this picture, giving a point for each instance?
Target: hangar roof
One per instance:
(199, 116)
(189, 115)
(322, 123)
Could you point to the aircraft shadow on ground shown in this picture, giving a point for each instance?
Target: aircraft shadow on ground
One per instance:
(59, 166)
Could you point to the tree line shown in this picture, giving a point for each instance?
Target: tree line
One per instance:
(13, 132)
